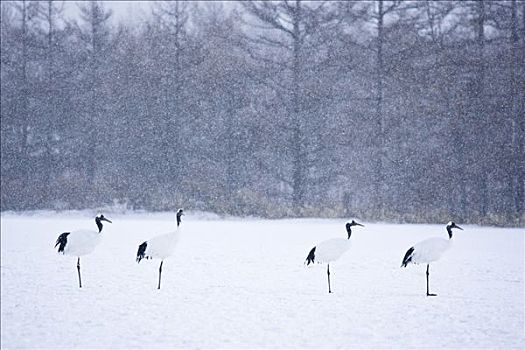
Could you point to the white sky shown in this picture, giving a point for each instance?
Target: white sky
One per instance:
(126, 11)
(129, 10)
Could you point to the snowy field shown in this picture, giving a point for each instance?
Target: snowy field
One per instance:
(242, 284)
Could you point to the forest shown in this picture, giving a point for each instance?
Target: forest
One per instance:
(402, 111)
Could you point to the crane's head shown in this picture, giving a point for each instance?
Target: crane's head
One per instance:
(101, 217)
(349, 227)
(180, 212)
(450, 226)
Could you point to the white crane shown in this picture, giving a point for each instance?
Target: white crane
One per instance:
(429, 250)
(81, 242)
(330, 250)
(162, 246)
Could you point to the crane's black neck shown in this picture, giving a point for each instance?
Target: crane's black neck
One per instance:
(99, 224)
(179, 218)
(449, 230)
(349, 230)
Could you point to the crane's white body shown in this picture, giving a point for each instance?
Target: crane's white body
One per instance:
(162, 246)
(82, 242)
(331, 249)
(430, 250)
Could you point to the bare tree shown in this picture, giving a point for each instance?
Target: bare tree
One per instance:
(27, 10)
(51, 13)
(382, 10)
(96, 37)
(288, 27)
(172, 18)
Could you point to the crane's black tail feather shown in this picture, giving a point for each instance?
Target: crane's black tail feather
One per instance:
(310, 259)
(141, 253)
(408, 257)
(61, 242)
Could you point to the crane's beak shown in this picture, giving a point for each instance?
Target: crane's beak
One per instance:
(456, 226)
(358, 224)
(106, 220)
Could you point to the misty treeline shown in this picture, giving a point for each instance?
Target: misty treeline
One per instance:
(383, 110)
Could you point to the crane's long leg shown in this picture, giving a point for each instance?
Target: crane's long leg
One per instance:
(428, 294)
(328, 273)
(78, 268)
(160, 271)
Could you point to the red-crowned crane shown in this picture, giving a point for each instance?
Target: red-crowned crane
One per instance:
(81, 242)
(162, 246)
(429, 250)
(330, 250)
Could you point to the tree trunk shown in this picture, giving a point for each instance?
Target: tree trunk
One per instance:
(24, 115)
(51, 109)
(299, 152)
(517, 167)
(480, 108)
(379, 179)
(94, 102)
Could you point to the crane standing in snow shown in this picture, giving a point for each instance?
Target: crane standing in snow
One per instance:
(81, 242)
(429, 250)
(330, 250)
(161, 246)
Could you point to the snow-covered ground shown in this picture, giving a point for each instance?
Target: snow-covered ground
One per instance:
(242, 284)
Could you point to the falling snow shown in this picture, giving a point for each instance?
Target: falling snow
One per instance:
(287, 118)
(407, 111)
